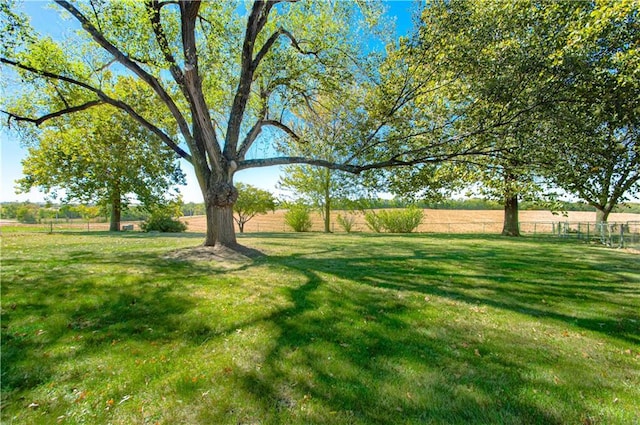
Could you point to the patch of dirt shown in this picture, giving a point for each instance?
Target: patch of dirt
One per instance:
(222, 254)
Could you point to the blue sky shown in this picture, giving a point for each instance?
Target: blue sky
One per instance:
(47, 21)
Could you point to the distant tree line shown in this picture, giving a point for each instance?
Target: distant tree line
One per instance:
(33, 213)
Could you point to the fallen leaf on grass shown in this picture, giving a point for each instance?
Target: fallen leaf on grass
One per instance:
(33, 406)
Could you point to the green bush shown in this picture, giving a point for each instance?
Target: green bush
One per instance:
(162, 222)
(298, 218)
(346, 222)
(373, 221)
(395, 221)
(27, 214)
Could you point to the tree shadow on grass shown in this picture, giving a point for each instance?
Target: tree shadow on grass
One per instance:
(354, 356)
(360, 353)
(537, 284)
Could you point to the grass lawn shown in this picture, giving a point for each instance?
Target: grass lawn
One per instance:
(325, 329)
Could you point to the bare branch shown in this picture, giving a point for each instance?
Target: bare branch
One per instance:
(68, 110)
(255, 131)
(106, 65)
(283, 127)
(271, 41)
(57, 90)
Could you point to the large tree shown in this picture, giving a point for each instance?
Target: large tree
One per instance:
(595, 150)
(491, 62)
(507, 67)
(221, 84)
(101, 155)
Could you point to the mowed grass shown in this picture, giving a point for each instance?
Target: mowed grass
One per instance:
(324, 329)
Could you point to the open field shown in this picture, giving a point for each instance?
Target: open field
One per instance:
(437, 221)
(324, 329)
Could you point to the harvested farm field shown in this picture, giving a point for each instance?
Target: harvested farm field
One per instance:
(436, 221)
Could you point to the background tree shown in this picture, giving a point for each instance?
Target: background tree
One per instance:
(597, 161)
(101, 156)
(506, 66)
(594, 151)
(87, 212)
(315, 186)
(251, 202)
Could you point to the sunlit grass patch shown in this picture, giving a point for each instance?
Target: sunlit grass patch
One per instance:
(357, 328)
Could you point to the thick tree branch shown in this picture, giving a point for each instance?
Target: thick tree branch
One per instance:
(105, 99)
(287, 160)
(255, 23)
(396, 161)
(132, 66)
(193, 85)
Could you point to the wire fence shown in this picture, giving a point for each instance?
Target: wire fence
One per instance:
(613, 234)
(72, 225)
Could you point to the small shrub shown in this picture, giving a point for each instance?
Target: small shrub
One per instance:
(395, 221)
(26, 215)
(298, 218)
(162, 222)
(373, 221)
(346, 222)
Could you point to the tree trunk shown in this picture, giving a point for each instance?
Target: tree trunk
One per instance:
(602, 214)
(116, 212)
(219, 206)
(511, 225)
(220, 229)
(327, 215)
